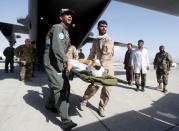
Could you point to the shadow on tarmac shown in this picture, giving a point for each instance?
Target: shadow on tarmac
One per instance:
(163, 115)
(37, 100)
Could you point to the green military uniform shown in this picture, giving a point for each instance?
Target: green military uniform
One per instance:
(57, 43)
(9, 54)
(162, 64)
(25, 54)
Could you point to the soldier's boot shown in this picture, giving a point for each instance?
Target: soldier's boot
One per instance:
(159, 86)
(130, 83)
(164, 88)
(142, 89)
(83, 105)
(69, 125)
(22, 79)
(137, 87)
(101, 111)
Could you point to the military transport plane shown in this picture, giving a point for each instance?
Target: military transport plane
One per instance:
(43, 14)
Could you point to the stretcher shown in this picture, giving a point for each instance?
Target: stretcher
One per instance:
(88, 73)
(104, 80)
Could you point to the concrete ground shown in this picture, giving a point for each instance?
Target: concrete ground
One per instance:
(22, 105)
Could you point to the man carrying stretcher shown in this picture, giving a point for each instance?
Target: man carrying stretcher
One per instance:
(102, 49)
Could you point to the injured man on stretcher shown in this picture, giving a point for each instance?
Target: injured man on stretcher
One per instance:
(91, 71)
(91, 66)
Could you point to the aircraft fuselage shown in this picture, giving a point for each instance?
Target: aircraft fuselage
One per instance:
(43, 14)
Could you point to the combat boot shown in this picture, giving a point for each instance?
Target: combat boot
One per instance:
(101, 111)
(130, 83)
(137, 87)
(69, 125)
(83, 105)
(142, 89)
(159, 86)
(164, 89)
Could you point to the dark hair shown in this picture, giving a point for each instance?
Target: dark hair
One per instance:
(161, 47)
(129, 44)
(102, 22)
(139, 41)
(12, 42)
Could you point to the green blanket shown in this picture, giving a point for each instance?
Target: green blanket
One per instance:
(104, 80)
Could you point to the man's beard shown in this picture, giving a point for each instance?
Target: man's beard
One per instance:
(102, 32)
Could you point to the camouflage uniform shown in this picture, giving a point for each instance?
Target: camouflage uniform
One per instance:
(162, 64)
(72, 52)
(25, 54)
(9, 54)
(103, 49)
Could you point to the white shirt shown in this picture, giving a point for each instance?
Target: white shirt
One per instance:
(140, 60)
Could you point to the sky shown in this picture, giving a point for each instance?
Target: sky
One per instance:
(126, 23)
(10, 10)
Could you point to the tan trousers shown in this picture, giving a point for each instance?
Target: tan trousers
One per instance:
(104, 97)
(105, 91)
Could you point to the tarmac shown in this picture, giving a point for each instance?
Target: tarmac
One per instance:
(22, 105)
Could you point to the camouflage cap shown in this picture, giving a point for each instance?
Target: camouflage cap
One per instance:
(62, 11)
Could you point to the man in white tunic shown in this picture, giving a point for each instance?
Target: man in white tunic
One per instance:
(140, 64)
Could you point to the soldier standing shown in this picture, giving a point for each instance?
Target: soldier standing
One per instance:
(25, 54)
(127, 64)
(162, 64)
(9, 54)
(57, 67)
(103, 49)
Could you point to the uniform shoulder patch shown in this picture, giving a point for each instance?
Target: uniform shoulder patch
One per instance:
(61, 36)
